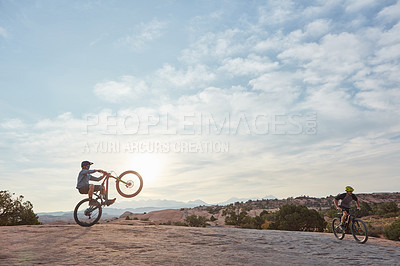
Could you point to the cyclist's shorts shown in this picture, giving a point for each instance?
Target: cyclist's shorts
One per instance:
(345, 209)
(85, 189)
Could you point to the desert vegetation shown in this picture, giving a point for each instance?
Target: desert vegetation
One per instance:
(379, 210)
(15, 211)
(289, 217)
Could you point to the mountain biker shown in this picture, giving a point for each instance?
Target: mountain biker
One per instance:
(84, 187)
(346, 199)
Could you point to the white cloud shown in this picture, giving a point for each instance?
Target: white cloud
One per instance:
(332, 61)
(143, 34)
(358, 5)
(280, 88)
(127, 88)
(386, 100)
(251, 65)
(390, 13)
(212, 47)
(186, 79)
(277, 12)
(317, 28)
(14, 123)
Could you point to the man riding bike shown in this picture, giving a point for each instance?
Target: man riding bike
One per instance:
(83, 183)
(346, 199)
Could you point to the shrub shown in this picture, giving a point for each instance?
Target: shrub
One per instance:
(392, 232)
(196, 221)
(386, 208)
(16, 212)
(233, 218)
(332, 212)
(240, 218)
(297, 218)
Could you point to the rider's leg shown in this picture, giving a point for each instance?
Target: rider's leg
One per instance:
(91, 190)
(344, 216)
(103, 192)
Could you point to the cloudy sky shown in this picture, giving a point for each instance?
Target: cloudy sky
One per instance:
(206, 99)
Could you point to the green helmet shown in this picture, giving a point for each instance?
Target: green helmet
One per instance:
(349, 188)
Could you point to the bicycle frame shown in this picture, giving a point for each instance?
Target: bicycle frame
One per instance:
(107, 177)
(348, 220)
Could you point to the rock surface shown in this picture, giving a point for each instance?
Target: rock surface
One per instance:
(132, 243)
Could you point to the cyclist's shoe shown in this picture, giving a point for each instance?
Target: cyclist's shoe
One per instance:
(109, 202)
(93, 202)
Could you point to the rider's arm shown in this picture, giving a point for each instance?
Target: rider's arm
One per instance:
(355, 198)
(93, 178)
(358, 204)
(336, 203)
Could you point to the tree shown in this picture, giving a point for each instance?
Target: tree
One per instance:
(366, 209)
(196, 221)
(292, 217)
(236, 217)
(16, 212)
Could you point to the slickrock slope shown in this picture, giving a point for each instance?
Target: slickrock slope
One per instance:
(134, 243)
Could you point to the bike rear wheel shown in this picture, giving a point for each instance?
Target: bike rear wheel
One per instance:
(86, 215)
(359, 231)
(129, 184)
(337, 230)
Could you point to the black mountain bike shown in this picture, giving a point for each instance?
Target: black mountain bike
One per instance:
(353, 225)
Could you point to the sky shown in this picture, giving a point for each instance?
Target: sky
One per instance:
(205, 99)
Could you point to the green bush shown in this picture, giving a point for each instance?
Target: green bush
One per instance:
(15, 211)
(386, 208)
(392, 232)
(240, 218)
(297, 218)
(332, 212)
(196, 221)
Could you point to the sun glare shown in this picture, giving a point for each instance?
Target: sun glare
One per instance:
(148, 166)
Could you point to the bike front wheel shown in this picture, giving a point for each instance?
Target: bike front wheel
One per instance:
(359, 231)
(86, 214)
(129, 184)
(337, 230)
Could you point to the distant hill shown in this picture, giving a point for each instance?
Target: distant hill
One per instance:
(253, 207)
(143, 209)
(316, 203)
(234, 199)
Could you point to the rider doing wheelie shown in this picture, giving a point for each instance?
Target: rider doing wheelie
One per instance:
(84, 187)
